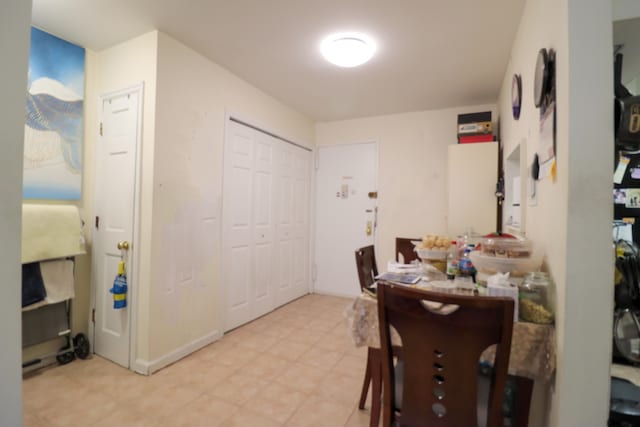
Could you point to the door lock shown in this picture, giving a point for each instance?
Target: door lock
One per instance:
(369, 228)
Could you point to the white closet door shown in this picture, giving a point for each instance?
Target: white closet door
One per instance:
(248, 225)
(237, 228)
(292, 216)
(300, 225)
(265, 223)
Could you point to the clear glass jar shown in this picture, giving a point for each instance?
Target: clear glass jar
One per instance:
(533, 296)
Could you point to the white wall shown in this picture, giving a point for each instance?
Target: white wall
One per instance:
(412, 170)
(14, 47)
(625, 9)
(572, 219)
(193, 97)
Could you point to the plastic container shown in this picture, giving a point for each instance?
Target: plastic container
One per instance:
(533, 295)
(517, 267)
(435, 258)
(506, 248)
(430, 254)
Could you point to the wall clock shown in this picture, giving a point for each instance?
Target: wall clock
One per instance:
(541, 77)
(516, 96)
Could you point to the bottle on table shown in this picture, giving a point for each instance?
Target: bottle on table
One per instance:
(465, 266)
(452, 260)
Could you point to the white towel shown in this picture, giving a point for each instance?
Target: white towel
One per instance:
(50, 231)
(58, 280)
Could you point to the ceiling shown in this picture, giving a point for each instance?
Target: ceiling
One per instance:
(431, 54)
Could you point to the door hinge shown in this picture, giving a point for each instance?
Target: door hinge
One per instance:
(100, 128)
(97, 222)
(93, 315)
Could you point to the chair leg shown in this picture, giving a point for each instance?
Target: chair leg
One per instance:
(524, 388)
(375, 356)
(367, 380)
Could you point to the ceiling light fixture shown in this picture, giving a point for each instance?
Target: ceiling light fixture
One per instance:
(348, 49)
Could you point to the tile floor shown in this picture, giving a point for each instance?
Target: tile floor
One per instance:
(294, 367)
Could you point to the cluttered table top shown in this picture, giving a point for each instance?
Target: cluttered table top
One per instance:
(496, 265)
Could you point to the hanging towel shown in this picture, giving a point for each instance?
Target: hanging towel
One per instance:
(58, 280)
(32, 284)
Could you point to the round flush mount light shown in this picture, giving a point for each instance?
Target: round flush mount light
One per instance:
(348, 49)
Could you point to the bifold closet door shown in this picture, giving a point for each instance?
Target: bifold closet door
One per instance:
(265, 243)
(292, 222)
(248, 225)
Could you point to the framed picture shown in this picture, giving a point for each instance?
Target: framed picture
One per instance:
(54, 122)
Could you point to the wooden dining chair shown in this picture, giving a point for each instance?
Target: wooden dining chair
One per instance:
(366, 266)
(436, 382)
(406, 248)
(367, 271)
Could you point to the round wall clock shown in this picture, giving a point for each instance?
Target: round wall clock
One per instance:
(516, 95)
(541, 79)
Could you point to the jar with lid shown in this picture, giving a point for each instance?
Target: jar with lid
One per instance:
(533, 296)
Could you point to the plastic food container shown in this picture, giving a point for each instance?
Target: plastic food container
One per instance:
(533, 296)
(515, 266)
(429, 254)
(506, 248)
(436, 258)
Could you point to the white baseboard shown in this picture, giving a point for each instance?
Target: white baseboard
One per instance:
(146, 367)
(337, 294)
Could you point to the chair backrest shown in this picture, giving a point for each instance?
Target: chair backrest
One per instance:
(440, 355)
(405, 247)
(366, 265)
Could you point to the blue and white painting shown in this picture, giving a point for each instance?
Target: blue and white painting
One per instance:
(53, 128)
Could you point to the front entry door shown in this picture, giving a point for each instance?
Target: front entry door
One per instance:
(116, 162)
(345, 214)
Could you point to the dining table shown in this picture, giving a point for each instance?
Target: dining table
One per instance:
(532, 355)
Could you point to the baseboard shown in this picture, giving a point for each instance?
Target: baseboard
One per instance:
(146, 367)
(336, 294)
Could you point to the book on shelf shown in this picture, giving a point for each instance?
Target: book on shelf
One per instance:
(471, 139)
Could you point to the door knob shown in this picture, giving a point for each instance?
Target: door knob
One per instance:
(124, 245)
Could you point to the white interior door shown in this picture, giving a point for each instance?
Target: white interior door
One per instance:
(345, 214)
(116, 161)
(265, 223)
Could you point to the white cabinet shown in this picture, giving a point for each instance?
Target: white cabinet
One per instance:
(472, 176)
